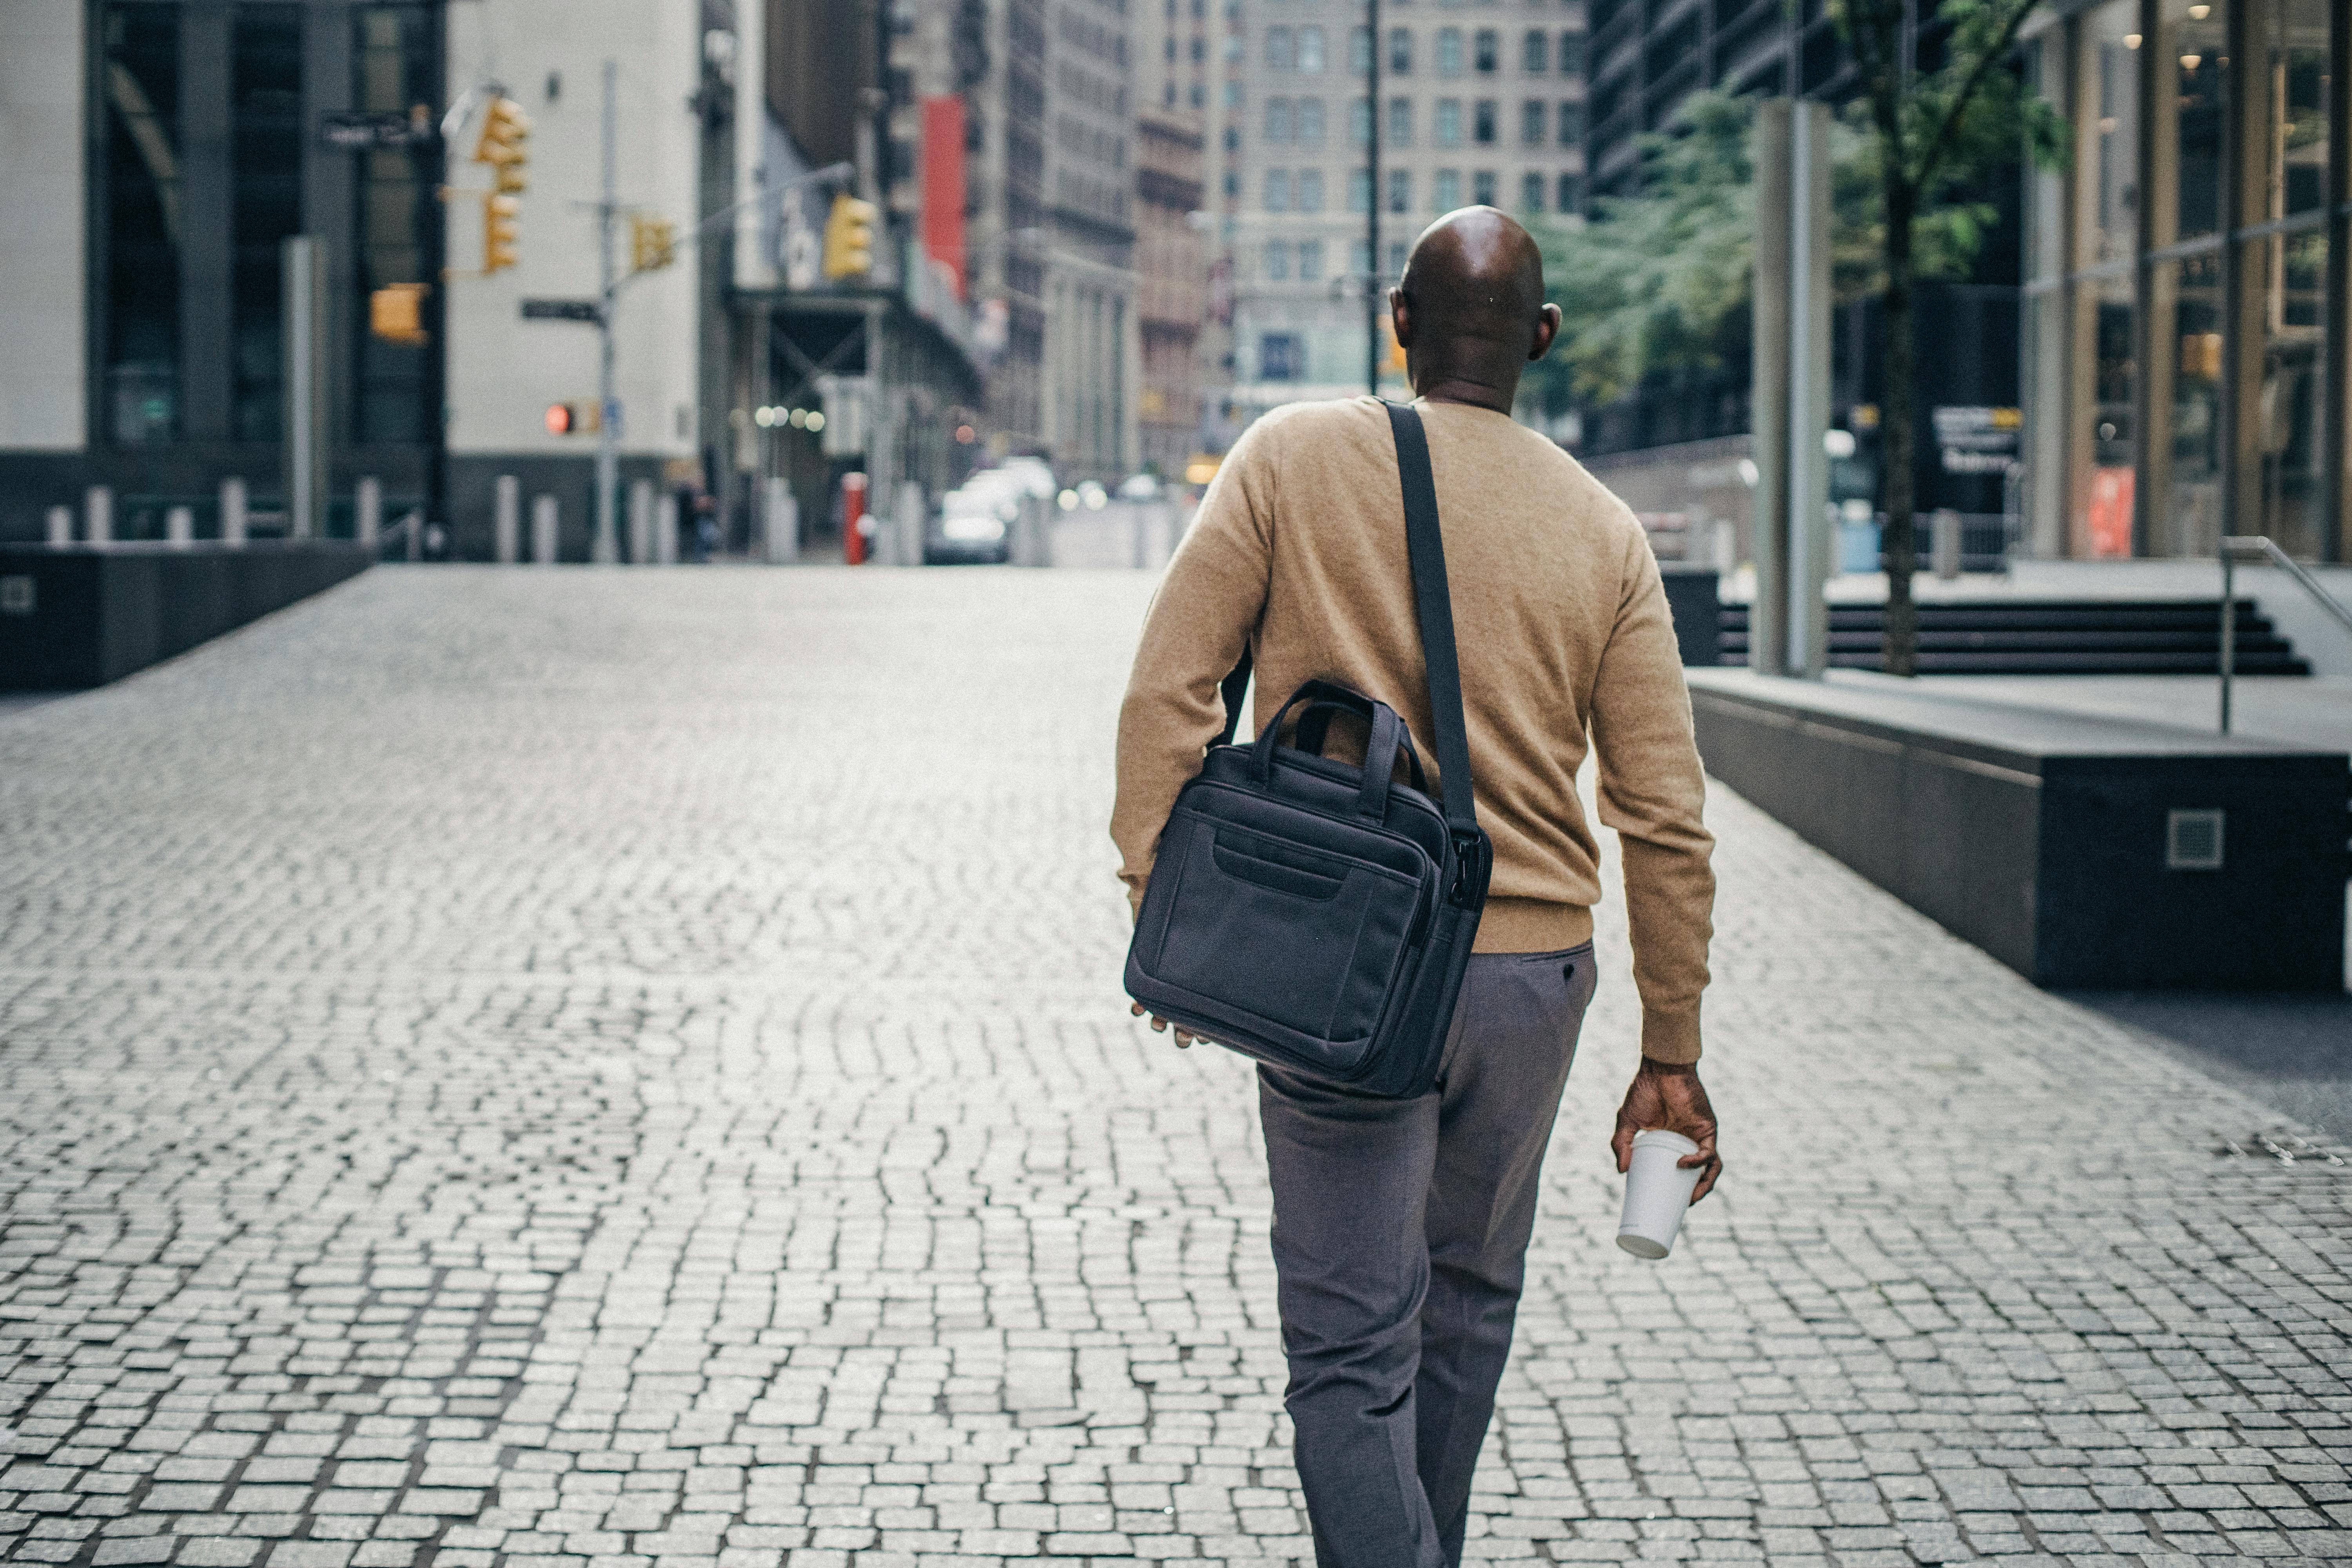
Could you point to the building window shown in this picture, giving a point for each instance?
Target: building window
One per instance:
(1277, 121)
(1484, 124)
(1359, 256)
(1311, 189)
(1233, 95)
(1449, 51)
(1489, 51)
(1280, 357)
(1535, 52)
(1359, 192)
(1198, 96)
(1533, 122)
(1398, 251)
(1359, 122)
(1277, 261)
(1571, 54)
(1445, 190)
(1281, 49)
(143, 223)
(1482, 187)
(1359, 50)
(1400, 127)
(1233, 138)
(1445, 130)
(1311, 49)
(1310, 261)
(1400, 51)
(1232, 185)
(1570, 196)
(1400, 190)
(1571, 124)
(1277, 190)
(1531, 192)
(265, 148)
(1311, 122)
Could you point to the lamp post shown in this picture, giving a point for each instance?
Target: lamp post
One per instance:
(1372, 295)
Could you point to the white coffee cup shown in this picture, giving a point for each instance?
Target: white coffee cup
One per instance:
(1657, 1191)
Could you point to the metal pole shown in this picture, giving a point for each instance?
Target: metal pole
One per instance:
(606, 549)
(2228, 630)
(1373, 299)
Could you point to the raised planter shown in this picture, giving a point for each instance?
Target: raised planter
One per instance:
(79, 616)
(2081, 852)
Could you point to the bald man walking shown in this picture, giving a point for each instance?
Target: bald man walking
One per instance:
(1400, 1227)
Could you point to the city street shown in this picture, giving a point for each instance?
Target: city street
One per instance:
(629, 1067)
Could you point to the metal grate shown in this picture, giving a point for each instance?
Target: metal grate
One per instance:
(2192, 840)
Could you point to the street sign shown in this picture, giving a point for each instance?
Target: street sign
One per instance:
(561, 311)
(363, 132)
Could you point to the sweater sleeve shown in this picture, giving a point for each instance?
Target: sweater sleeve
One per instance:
(1201, 620)
(1652, 791)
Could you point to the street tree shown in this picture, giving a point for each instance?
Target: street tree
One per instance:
(1929, 138)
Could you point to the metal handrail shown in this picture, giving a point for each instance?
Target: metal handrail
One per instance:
(2265, 551)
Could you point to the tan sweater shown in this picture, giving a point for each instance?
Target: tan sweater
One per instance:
(1562, 628)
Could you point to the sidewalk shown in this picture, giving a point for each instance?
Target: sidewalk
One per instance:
(627, 1068)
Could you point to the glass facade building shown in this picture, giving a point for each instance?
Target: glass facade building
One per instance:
(2185, 343)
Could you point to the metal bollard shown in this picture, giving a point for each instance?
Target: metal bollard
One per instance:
(542, 530)
(98, 514)
(1947, 543)
(780, 523)
(665, 530)
(506, 520)
(367, 511)
(641, 522)
(232, 510)
(60, 527)
(412, 525)
(179, 526)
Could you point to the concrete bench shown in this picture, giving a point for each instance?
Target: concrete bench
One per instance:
(77, 615)
(2081, 852)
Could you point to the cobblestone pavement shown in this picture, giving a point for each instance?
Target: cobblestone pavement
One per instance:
(628, 1068)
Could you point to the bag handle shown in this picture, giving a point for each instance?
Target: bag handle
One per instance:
(1387, 733)
(1434, 606)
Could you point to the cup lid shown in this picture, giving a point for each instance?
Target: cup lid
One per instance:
(1664, 1136)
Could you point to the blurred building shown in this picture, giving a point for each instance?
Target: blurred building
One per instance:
(2186, 329)
(1046, 93)
(164, 152)
(1477, 104)
(1172, 284)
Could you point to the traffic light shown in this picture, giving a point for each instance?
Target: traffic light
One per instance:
(500, 232)
(849, 237)
(395, 313)
(653, 244)
(504, 129)
(573, 418)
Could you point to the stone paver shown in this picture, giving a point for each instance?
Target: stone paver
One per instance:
(624, 1069)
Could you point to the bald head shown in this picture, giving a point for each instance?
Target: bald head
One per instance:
(1470, 311)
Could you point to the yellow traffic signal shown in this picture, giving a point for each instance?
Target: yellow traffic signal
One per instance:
(500, 232)
(653, 244)
(505, 128)
(849, 237)
(395, 313)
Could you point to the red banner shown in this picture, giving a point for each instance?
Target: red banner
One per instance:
(943, 185)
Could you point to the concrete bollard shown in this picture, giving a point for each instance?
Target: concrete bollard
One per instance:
(367, 511)
(98, 514)
(506, 520)
(641, 522)
(542, 530)
(780, 523)
(60, 527)
(665, 530)
(914, 523)
(179, 526)
(413, 528)
(1946, 537)
(232, 510)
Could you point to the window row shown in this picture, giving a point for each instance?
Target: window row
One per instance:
(1302, 191)
(1289, 121)
(1481, 51)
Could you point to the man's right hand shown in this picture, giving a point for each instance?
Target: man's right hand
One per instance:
(1665, 1095)
(1159, 1026)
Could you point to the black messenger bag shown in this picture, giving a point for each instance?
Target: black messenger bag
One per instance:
(1316, 916)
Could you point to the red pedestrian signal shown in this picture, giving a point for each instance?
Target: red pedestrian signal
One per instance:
(563, 419)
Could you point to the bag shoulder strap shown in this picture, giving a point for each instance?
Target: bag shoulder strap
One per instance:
(1425, 547)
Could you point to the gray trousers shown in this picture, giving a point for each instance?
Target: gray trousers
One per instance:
(1400, 1232)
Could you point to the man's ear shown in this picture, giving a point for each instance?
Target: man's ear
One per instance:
(1400, 317)
(1547, 330)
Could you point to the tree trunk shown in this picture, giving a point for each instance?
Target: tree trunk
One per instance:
(1899, 650)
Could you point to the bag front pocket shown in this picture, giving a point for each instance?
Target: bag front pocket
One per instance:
(1283, 932)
